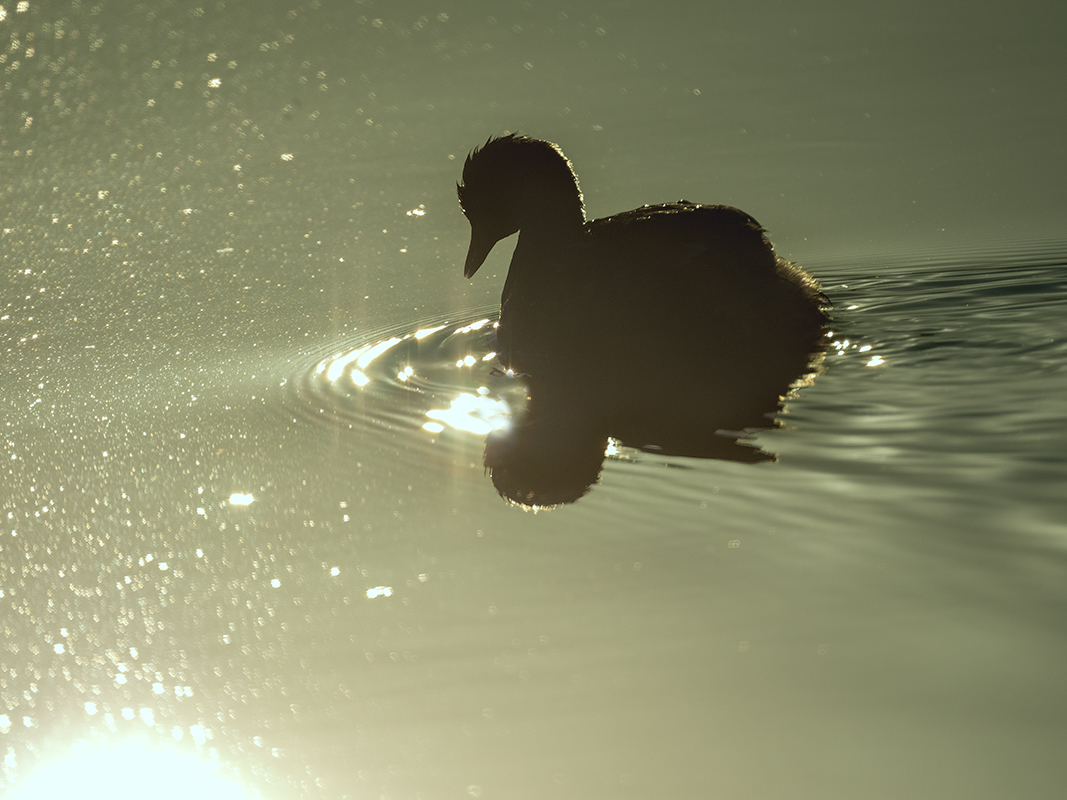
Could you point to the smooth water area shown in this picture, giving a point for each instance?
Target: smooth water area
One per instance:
(248, 547)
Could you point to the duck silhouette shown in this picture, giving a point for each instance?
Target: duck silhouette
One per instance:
(670, 327)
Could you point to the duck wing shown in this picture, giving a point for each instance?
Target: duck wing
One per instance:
(706, 245)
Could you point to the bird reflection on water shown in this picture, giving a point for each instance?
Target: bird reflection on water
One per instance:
(673, 328)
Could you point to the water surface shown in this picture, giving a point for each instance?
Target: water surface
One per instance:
(220, 549)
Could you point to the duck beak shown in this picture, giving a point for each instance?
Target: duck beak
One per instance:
(481, 244)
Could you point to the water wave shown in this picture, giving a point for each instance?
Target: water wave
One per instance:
(436, 376)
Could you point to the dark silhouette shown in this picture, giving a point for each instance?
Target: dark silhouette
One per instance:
(674, 328)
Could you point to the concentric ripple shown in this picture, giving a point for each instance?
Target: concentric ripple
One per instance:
(434, 376)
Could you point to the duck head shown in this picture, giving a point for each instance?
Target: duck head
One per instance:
(516, 183)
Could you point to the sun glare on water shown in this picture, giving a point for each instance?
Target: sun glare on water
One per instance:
(128, 771)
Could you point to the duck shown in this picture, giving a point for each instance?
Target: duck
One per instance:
(671, 306)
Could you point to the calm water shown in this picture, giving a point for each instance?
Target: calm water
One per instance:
(246, 552)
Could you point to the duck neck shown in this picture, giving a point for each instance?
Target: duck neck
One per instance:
(550, 202)
(549, 223)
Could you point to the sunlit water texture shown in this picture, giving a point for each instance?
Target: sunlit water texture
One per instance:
(225, 539)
